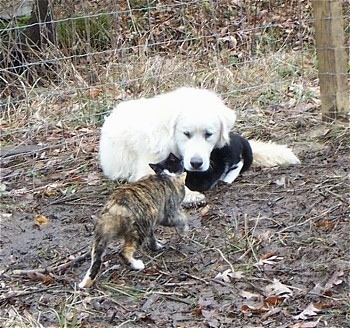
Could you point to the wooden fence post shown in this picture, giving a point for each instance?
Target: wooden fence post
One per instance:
(332, 58)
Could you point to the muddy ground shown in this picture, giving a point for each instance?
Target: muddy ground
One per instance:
(271, 250)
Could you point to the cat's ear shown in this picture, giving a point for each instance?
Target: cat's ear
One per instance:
(173, 158)
(157, 168)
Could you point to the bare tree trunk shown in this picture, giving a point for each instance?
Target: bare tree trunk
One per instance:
(37, 33)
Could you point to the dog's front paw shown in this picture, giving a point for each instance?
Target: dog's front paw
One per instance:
(194, 198)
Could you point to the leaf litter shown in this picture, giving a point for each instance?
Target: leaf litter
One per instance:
(203, 278)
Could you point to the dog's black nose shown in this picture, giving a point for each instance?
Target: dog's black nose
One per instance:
(196, 162)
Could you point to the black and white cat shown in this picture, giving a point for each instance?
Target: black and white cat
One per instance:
(226, 164)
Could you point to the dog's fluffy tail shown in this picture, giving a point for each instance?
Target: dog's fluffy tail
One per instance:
(269, 154)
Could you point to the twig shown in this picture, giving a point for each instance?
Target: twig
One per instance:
(21, 149)
(225, 259)
(78, 251)
(50, 269)
(16, 294)
(310, 219)
(336, 196)
(177, 299)
(179, 284)
(123, 323)
(194, 277)
(163, 293)
(215, 249)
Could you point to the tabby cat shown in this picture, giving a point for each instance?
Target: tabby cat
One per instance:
(134, 210)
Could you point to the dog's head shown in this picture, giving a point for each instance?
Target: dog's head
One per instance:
(198, 131)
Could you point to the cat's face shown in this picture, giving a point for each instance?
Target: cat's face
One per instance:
(171, 166)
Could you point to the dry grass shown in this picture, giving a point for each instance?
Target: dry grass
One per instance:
(281, 79)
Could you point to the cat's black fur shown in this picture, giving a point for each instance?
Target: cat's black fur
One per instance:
(226, 164)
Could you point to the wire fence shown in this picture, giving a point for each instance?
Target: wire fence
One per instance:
(64, 64)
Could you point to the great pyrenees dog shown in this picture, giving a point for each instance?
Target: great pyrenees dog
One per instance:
(187, 122)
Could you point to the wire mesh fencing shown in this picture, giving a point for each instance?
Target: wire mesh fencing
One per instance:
(65, 64)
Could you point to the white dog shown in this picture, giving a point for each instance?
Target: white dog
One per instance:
(187, 122)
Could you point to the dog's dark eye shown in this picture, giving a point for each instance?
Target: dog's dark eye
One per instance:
(207, 135)
(187, 134)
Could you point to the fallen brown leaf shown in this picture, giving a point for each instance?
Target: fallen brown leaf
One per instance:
(37, 276)
(95, 93)
(324, 224)
(269, 258)
(254, 308)
(278, 289)
(310, 311)
(308, 324)
(324, 305)
(334, 280)
(197, 311)
(41, 220)
(273, 300)
(204, 211)
(228, 275)
(268, 255)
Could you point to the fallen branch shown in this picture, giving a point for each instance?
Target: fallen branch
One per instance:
(15, 294)
(51, 269)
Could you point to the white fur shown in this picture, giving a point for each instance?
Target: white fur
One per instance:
(86, 282)
(137, 265)
(233, 174)
(188, 122)
(269, 154)
(159, 246)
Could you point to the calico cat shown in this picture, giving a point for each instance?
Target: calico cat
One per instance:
(134, 210)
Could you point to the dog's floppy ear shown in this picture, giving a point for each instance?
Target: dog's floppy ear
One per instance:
(174, 118)
(227, 120)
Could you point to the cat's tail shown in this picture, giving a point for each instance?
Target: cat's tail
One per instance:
(269, 154)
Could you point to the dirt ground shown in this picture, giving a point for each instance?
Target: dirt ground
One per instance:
(271, 250)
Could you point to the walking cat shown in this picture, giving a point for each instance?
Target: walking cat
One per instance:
(134, 210)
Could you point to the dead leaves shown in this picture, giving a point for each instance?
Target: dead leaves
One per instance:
(324, 224)
(208, 309)
(308, 324)
(229, 275)
(95, 93)
(41, 220)
(278, 289)
(269, 300)
(266, 301)
(334, 280)
(270, 258)
(310, 311)
(41, 277)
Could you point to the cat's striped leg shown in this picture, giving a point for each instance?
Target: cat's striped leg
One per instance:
(128, 254)
(97, 253)
(154, 245)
